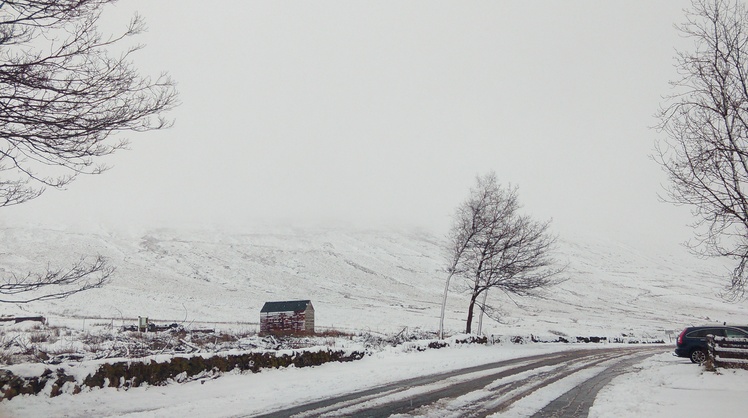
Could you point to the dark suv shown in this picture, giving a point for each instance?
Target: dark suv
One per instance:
(692, 340)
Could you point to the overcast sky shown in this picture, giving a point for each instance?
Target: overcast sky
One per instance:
(382, 113)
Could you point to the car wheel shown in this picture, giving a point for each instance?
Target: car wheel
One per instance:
(698, 356)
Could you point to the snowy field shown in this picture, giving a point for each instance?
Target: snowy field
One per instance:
(379, 281)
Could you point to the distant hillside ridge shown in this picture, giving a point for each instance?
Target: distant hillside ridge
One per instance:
(378, 280)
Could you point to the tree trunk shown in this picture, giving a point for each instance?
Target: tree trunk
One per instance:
(468, 327)
(482, 310)
(444, 305)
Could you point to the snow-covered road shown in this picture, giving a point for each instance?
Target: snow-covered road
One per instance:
(660, 386)
(487, 389)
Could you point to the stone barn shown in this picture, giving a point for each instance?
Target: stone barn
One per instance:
(295, 316)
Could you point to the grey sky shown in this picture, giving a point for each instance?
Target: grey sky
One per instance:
(377, 113)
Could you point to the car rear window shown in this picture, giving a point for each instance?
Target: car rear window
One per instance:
(736, 333)
(704, 332)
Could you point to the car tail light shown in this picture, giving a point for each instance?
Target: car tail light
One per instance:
(680, 336)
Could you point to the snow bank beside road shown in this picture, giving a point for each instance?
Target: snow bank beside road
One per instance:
(667, 386)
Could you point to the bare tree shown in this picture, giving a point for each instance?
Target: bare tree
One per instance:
(467, 225)
(705, 121)
(63, 97)
(499, 248)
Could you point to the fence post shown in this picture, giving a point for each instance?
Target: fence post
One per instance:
(709, 364)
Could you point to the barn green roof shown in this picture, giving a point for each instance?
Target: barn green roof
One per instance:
(286, 306)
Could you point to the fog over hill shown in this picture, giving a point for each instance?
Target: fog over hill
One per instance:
(381, 280)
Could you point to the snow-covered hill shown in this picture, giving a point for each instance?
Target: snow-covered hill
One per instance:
(380, 280)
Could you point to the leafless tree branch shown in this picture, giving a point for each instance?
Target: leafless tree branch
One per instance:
(56, 283)
(64, 97)
(704, 151)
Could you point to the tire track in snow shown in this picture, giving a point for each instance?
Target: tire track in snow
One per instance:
(493, 387)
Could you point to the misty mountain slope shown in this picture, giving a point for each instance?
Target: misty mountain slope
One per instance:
(378, 280)
(618, 285)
